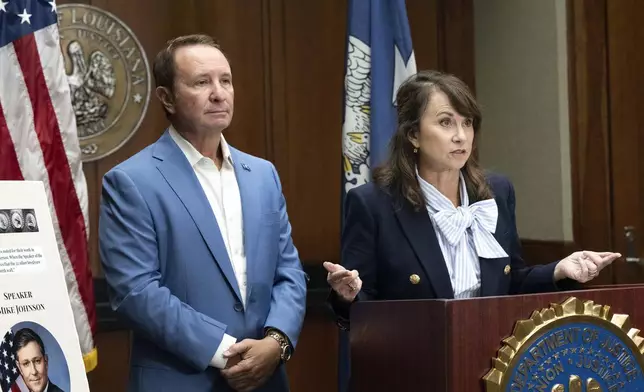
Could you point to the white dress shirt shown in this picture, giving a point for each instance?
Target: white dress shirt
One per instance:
(222, 191)
(464, 234)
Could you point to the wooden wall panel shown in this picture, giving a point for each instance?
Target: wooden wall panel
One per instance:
(93, 195)
(314, 364)
(589, 127)
(456, 39)
(606, 85)
(626, 90)
(309, 143)
(275, 80)
(425, 24)
(113, 370)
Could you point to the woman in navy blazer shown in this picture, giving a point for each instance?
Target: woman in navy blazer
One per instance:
(432, 224)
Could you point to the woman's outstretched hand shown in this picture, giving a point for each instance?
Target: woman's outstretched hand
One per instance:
(584, 266)
(345, 283)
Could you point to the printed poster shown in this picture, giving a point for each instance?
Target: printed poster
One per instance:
(39, 350)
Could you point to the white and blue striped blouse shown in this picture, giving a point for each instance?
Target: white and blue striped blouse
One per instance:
(464, 234)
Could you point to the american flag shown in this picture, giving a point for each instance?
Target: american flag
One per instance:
(38, 142)
(8, 370)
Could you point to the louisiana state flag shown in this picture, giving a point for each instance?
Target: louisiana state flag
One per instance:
(379, 58)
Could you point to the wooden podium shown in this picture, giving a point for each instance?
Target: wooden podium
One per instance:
(448, 345)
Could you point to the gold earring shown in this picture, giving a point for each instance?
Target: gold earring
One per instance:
(415, 150)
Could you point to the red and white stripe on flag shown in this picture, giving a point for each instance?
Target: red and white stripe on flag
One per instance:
(38, 142)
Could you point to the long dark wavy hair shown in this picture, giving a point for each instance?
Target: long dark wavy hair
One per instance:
(397, 174)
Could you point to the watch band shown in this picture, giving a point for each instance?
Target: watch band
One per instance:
(285, 347)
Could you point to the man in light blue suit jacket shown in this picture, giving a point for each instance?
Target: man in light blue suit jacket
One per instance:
(196, 246)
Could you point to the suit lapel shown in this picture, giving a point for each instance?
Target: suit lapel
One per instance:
(421, 235)
(251, 210)
(181, 177)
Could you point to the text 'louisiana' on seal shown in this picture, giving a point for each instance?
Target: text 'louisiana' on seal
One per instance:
(109, 77)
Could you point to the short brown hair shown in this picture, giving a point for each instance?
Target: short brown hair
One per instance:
(398, 173)
(164, 67)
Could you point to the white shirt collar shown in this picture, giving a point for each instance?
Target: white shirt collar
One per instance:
(435, 200)
(192, 154)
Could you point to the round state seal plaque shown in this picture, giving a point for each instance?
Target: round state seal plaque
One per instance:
(574, 346)
(108, 74)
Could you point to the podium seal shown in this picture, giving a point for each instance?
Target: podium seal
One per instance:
(574, 346)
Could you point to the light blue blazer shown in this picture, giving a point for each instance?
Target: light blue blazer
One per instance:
(169, 275)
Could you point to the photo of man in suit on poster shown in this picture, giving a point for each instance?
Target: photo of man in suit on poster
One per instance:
(32, 361)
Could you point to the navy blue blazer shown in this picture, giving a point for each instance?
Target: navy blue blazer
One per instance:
(387, 241)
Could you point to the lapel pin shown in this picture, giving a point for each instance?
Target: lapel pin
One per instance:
(414, 279)
(245, 167)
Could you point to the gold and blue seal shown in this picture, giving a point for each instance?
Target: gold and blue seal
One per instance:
(574, 346)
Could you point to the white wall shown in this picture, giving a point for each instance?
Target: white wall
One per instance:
(522, 85)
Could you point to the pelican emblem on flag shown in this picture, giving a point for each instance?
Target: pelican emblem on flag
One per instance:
(355, 130)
